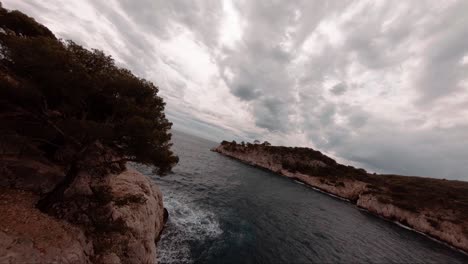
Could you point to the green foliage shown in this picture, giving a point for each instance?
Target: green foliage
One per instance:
(67, 95)
(22, 24)
(296, 159)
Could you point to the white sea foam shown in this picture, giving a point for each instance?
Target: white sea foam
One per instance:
(329, 194)
(187, 224)
(299, 182)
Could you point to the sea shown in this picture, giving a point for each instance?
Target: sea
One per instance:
(224, 211)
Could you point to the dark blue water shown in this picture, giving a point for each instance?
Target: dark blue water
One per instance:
(223, 211)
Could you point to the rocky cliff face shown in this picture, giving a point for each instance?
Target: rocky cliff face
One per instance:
(30, 236)
(371, 192)
(137, 206)
(436, 224)
(115, 218)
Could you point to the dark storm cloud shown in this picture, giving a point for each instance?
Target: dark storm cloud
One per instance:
(272, 113)
(245, 92)
(338, 89)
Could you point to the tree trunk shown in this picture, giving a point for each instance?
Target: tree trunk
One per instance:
(58, 193)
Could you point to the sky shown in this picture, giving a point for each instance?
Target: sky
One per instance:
(377, 84)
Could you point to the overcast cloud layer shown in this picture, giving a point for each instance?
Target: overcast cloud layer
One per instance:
(379, 84)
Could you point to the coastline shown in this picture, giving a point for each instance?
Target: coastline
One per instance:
(377, 215)
(357, 193)
(113, 218)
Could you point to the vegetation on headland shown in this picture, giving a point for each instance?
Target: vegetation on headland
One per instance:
(298, 155)
(415, 194)
(58, 99)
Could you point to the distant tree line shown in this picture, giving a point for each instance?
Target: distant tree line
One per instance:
(297, 159)
(255, 142)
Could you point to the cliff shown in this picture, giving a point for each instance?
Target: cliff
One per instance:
(437, 208)
(111, 218)
(70, 119)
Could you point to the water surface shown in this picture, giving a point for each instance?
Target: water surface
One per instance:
(223, 211)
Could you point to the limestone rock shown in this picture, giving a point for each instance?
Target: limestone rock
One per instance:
(441, 223)
(111, 218)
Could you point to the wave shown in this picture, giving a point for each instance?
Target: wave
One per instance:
(187, 224)
(301, 183)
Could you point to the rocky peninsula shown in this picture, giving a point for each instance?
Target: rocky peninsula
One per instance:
(435, 207)
(70, 120)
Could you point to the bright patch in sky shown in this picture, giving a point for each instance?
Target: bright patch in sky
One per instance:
(464, 60)
(231, 26)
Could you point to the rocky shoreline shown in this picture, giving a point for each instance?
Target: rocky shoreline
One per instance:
(443, 224)
(115, 218)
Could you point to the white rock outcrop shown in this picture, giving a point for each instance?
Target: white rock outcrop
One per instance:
(142, 215)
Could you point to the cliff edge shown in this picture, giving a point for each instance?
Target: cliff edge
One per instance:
(111, 218)
(435, 207)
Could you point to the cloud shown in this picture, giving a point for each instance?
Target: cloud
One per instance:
(446, 43)
(380, 84)
(390, 149)
(338, 89)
